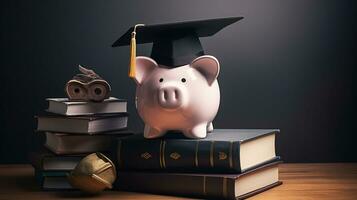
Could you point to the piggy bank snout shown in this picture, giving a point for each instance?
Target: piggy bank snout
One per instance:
(171, 96)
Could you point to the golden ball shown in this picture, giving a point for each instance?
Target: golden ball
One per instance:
(93, 174)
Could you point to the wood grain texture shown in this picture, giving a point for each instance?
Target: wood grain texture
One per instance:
(300, 181)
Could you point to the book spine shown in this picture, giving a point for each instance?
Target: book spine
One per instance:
(211, 156)
(174, 184)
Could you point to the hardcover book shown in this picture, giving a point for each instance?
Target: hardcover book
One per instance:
(217, 186)
(52, 180)
(48, 161)
(60, 143)
(223, 150)
(82, 124)
(64, 106)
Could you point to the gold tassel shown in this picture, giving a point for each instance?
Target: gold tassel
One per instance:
(132, 67)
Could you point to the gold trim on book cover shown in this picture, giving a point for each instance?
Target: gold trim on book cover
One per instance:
(146, 155)
(211, 159)
(160, 154)
(119, 153)
(231, 155)
(222, 155)
(163, 154)
(175, 156)
(224, 188)
(196, 154)
(204, 185)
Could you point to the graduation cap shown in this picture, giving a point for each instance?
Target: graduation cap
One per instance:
(174, 44)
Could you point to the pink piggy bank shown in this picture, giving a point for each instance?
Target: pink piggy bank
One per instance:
(184, 98)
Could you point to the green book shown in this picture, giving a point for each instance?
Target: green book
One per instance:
(223, 150)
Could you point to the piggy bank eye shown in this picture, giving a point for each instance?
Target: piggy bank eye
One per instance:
(183, 80)
(161, 79)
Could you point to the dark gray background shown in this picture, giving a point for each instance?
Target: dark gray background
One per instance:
(288, 65)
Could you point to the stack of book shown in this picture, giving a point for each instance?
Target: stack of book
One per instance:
(73, 130)
(228, 164)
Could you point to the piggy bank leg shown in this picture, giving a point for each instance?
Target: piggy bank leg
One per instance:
(198, 131)
(209, 127)
(150, 132)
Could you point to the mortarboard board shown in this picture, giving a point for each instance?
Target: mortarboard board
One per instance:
(174, 44)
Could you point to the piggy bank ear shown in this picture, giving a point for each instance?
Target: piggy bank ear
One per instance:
(208, 66)
(144, 66)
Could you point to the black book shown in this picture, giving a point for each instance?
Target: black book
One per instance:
(217, 186)
(223, 150)
(91, 125)
(47, 161)
(52, 180)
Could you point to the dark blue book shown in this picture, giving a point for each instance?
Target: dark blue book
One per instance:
(222, 151)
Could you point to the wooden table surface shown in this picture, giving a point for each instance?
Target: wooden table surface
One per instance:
(300, 181)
